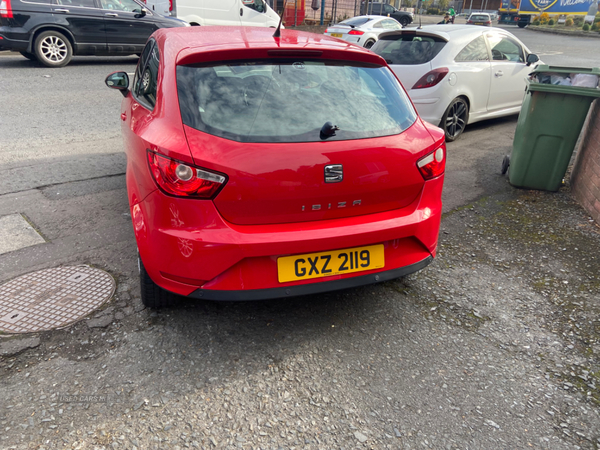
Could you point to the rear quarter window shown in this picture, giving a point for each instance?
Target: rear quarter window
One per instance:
(476, 50)
(408, 49)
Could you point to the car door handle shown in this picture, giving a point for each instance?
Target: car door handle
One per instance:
(61, 10)
(241, 11)
(123, 116)
(111, 15)
(499, 73)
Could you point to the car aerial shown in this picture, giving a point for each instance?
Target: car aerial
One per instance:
(265, 167)
(459, 74)
(480, 19)
(383, 9)
(52, 31)
(363, 30)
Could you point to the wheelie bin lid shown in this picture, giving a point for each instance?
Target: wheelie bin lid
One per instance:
(561, 69)
(561, 89)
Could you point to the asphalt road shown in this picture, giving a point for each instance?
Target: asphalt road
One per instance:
(495, 345)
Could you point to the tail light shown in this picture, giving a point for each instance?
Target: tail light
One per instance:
(434, 164)
(356, 33)
(6, 9)
(170, 5)
(469, 21)
(489, 22)
(431, 78)
(183, 180)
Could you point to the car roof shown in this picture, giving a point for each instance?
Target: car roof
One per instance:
(188, 45)
(448, 32)
(370, 17)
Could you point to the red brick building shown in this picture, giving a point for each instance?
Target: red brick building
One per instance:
(585, 179)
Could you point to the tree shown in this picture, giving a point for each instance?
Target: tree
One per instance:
(443, 5)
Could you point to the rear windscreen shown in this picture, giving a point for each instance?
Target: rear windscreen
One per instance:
(408, 48)
(479, 18)
(291, 101)
(355, 21)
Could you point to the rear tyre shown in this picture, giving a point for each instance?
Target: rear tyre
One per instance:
(404, 21)
(53, 49)
(455, 119)
(154, 296)
(369, 44)
(522, 24)
(29, 56)
(505, 164)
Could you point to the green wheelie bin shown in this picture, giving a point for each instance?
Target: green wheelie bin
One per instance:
(549, 125)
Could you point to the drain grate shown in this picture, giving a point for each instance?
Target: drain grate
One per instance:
(52, 298)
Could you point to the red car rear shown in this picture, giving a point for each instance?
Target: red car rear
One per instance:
(263, 167)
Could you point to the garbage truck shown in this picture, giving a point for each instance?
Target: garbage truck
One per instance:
(521, 12)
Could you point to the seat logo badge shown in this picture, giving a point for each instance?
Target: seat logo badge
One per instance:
(334, 173)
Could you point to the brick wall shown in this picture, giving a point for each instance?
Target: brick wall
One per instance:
(585, 178)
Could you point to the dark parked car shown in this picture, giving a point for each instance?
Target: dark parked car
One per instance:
(383, 9)
(52, 31)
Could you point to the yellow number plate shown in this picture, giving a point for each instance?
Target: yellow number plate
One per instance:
(337, 34)
(325, 264)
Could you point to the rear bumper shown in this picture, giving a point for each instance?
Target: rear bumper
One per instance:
(431, 103)
(313, 288)
(11, 42)
(188, 249)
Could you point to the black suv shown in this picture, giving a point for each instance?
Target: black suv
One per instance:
(52, 31)
(383, 9)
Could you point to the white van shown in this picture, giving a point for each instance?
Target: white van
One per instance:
(254, 13)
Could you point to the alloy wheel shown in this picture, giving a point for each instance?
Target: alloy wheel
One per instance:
(54, 49)
(456, 119)
(146, 81)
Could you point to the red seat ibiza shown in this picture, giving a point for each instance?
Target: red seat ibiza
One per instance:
(262, 167)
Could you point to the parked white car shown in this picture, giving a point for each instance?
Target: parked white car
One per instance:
(363, 30)
(253, 13)
(480, 19)
(459, 74)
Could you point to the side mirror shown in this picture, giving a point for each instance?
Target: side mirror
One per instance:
(118, 80)
(532, 59)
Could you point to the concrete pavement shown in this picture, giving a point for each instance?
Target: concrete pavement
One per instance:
(495, 345)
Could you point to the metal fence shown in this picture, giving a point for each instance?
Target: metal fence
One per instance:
(338, 10)
(298, 12)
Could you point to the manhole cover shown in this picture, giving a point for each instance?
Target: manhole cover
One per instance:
(52, 298)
